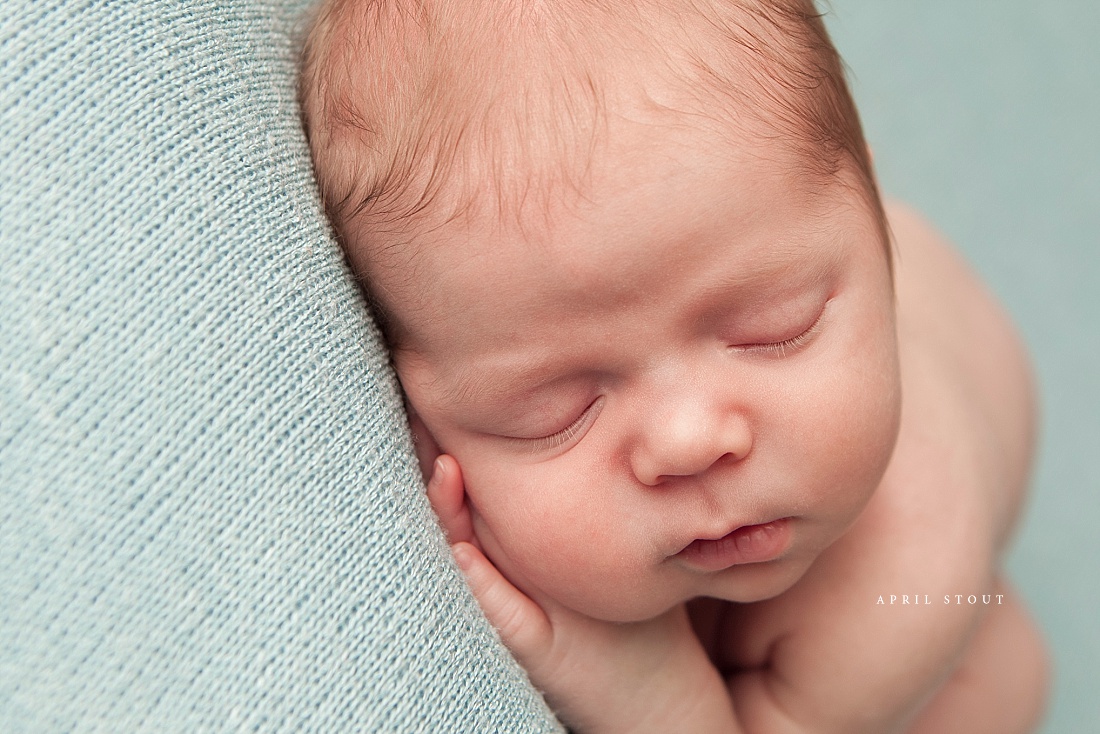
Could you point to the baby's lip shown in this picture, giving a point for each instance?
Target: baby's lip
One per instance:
(744, 544)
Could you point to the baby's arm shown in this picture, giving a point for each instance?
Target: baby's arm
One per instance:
(1001, 684)
(825, 656)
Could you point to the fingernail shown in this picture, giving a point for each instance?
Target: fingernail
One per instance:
(437, 471)
(462, 556)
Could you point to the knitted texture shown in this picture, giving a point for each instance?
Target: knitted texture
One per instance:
(210, 518)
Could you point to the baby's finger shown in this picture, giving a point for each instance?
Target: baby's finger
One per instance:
(447, 496)
(522, 624)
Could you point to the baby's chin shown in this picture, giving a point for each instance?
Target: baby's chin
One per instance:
(744, 585)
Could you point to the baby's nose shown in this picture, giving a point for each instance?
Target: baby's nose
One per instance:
(687, 439)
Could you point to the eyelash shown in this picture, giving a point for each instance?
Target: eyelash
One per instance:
(779, 349)
(560, 438)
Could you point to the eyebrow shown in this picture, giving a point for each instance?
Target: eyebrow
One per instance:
(528, 377)
(799, 265)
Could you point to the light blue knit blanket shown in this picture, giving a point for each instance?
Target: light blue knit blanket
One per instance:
(210, 518)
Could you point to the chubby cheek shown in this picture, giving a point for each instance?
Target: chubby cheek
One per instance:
(856, 418)
(538, 529)
(561, 537)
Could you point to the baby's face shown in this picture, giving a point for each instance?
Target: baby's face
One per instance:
(682, 382)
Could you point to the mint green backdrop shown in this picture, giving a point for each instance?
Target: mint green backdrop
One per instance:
(986, 117)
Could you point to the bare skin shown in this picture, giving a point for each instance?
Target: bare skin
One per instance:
(823, 656)
(938, 523)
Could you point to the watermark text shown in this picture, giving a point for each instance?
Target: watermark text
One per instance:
(948, 599)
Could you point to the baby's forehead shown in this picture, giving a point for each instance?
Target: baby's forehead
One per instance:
(484, 271)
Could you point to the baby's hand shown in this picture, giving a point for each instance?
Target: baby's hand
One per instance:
(650, 676)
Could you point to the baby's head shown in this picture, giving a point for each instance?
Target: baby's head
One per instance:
(634, 270)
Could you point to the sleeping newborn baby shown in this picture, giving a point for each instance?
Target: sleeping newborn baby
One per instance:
(697, 411)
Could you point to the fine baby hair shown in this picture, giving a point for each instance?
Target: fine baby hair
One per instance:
(420, 111)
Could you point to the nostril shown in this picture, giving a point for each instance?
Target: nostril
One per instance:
(690, 442)
(654, 471)
(726, 459)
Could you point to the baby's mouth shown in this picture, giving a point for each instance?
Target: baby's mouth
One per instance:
(746, 544)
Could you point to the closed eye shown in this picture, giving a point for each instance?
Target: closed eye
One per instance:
(565, 435)
(786, 346)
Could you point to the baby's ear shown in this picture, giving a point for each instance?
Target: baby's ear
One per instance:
(447, 495)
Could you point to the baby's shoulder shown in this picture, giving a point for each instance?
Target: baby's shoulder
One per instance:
(947, 313)
(965, 372)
